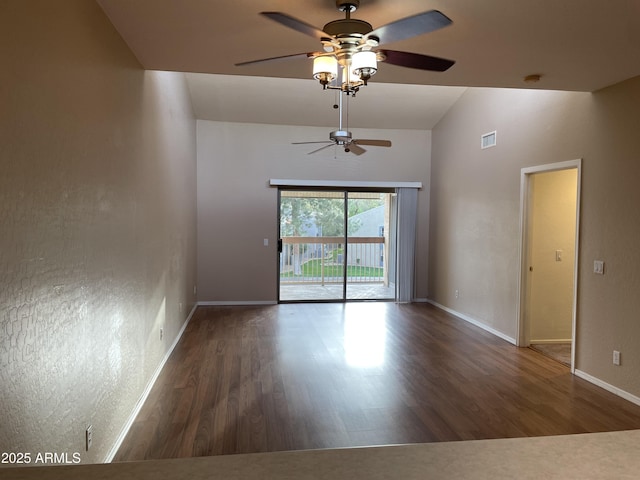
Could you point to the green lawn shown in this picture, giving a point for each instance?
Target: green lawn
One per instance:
(312, 268)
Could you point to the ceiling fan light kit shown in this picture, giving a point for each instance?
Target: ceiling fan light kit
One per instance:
(364, 64)
(325, 70)
(349, 57)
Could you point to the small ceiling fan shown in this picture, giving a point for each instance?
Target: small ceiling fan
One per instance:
(351, 46)
(343, 138)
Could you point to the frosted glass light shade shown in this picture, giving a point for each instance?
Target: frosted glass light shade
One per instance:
(352, 77)
(325, 68)
(364, 62)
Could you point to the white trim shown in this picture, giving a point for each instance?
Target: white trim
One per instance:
(550, 167)
(475, 322)
(607, 386)
(549, 341)
(143, 398)
(281, 182)
(521, 333)
(237, 302)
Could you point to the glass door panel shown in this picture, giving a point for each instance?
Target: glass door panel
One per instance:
(370, 247)
(312, 246)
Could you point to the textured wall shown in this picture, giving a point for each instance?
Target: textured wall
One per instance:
(97, 221)
(475, 193)
(475, 211)
(237, 208)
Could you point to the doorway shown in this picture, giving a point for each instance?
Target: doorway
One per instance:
(549, 232)
(336, 245)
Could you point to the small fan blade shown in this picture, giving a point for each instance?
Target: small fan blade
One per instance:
(416, 60)
(283, 57)
(411, 26)
(295, 24)
(321, 148)
(374, 143)
(305, 143)
(355, 149)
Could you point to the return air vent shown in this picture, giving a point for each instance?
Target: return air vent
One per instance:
(488, 140)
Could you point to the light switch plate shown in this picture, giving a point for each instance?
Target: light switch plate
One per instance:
(616, 357)
(598, 267)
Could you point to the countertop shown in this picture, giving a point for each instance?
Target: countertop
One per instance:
(586, 456)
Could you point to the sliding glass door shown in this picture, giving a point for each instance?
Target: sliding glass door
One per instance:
(336, 246)
(370, 246)
(311, 244)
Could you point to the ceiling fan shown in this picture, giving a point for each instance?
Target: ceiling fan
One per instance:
(343, 138)
(350, 46)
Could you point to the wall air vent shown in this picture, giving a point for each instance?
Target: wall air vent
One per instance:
(488, 140)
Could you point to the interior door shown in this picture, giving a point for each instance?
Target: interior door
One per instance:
(551, 254)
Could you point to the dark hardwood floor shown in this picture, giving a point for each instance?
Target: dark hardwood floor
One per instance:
(301, 376)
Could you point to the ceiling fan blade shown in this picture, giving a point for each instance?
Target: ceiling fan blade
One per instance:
(416, 60)
(411, 26)
(305, 143)
(321, 148)
(271, 59)
(353, 148)
(295, 24)
(374, 143)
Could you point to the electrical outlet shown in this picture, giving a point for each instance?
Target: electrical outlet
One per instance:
(88, 434)
(457, 293)
(161, 333)
(180, 307)
(616, 357)
(195, 290)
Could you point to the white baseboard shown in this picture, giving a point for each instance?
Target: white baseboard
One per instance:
(475, 322)
(579, 373)
(607, 386)
(136, 410)
(549, 341)
(237, 302)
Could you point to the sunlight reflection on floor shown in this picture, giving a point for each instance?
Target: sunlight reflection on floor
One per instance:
(365, 334)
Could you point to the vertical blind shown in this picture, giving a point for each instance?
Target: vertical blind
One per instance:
(407, 215)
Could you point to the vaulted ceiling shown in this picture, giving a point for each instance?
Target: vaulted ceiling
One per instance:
(581, 45)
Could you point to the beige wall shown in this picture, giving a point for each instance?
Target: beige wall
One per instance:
(553, 230)
(475, 212)
(97, 214)
(237, 208)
